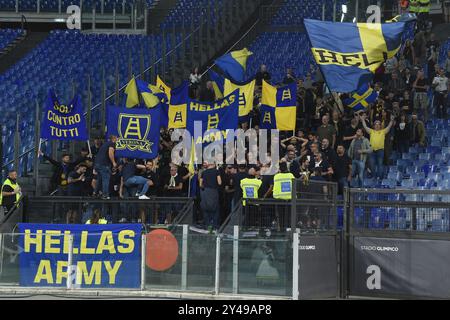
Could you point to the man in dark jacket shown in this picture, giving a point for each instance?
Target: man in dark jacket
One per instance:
(61, 174)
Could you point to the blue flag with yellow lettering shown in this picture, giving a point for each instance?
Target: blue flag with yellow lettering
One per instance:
(137, 130)
(349, 53)
(104, 255)
(63, 122)
(361, 99)
(234, 64)
(278, 107)
(216, 118)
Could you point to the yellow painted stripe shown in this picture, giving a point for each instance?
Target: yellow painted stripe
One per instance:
(373, 42)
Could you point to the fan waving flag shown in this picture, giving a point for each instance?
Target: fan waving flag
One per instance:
(63, 122)
(349, 53)
(234, 64)
(151, 95)
(278, 107)
(361, 99)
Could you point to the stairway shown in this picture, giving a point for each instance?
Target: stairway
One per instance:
(13, 44)
(22, 48)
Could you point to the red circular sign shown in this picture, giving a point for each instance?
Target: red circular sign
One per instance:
(162, 250)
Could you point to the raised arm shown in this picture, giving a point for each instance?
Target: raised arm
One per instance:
(391, 123)
(363, 121)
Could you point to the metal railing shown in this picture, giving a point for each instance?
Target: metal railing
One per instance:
(398, 210)
(314, 209)
(157, 210)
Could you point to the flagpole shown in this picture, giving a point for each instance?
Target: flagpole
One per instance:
(189, 188)
(89, 147)
(39, 148)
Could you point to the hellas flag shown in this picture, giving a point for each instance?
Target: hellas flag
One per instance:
(216, 118)
(278, 107)
(349, 53)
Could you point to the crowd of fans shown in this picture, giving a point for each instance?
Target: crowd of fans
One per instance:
(331, 143)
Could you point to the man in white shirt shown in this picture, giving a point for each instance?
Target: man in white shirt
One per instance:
(440, 85)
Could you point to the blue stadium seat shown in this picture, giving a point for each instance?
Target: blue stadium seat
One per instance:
(377, 218)
(409, 183)
(389, 183)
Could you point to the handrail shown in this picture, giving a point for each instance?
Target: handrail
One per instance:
(112, 95)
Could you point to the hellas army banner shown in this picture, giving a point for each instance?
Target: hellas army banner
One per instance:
(104, 256)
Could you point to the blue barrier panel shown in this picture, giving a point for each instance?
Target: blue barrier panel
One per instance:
(104, 256)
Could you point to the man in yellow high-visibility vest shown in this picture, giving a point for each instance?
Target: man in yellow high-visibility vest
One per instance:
(413, 6)
(250, 186)
(282, 183)
(11, 192)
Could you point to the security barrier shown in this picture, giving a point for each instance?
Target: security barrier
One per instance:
(378, 243)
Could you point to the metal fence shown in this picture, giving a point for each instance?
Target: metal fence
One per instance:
(385, 234)
(313, 209)
(156, 211)
(398, 210)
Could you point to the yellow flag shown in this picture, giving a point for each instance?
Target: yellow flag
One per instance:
(163, 87)
(132, 94)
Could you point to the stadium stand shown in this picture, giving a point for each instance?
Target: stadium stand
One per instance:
(8, 36)
(53, 5)
(191, 11)
(292, 51)
(73, 55)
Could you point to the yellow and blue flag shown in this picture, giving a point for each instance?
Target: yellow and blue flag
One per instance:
(131, 94)
(278, 107)
(234, 64)
(177, 108)
(137, 130)
(216, 118)
(361, 99)
(349, 53)
(151, 95)
(163, 87)
(223, 87)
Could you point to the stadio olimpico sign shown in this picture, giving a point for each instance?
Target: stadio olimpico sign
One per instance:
(400, 267)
